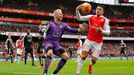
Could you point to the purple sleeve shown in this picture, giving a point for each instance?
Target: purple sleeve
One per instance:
(69, 29)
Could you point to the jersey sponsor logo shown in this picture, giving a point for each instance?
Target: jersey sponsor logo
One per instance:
(56, 34)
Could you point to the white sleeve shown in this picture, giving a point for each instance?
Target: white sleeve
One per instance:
(6, 41)
(106, 30)
(11, 42)
(124, 44)
(16, 43)
(80, 43)
(82, 18)
(23, 38)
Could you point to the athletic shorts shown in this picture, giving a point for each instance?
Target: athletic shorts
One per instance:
(28, 49)
(79, 51)
(96, 47)
(122, 52)
(56, 52)
(19, 51)
(55, 45)
(10, 51)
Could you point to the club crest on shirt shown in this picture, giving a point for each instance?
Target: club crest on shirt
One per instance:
(102, 20)
(61, 26)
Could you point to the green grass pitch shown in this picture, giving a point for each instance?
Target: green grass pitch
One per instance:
(102, 67)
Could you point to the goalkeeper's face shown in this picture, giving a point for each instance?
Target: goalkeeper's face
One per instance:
(59, 15)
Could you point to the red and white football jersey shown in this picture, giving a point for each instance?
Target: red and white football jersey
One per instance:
(19, 43)
(94, 22)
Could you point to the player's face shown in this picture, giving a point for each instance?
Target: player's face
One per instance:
(99, 11)
(59, 15)
(20, 37)
(28, 32)
(78, 37)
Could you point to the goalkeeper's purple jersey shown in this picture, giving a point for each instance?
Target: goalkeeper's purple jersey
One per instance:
(54, 32)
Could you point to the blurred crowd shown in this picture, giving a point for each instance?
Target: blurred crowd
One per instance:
(17, 28)
(122, 33)
(111, 12)
(113, 49)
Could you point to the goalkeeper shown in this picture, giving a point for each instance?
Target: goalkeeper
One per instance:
(54, 31)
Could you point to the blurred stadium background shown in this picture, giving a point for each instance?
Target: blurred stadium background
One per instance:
(17, 16)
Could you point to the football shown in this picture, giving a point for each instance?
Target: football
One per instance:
(86, 8)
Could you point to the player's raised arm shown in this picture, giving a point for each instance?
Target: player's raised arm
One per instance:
(124, 45)
(78, 15)
(6, 43)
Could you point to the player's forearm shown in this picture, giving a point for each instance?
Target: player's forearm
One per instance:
(106, 32)
(6, 46)
(124, 45)
(82, 18)
(78, 14)
(74, 30)
(13, 45)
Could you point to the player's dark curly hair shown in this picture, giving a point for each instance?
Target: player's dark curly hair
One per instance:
(101, 6)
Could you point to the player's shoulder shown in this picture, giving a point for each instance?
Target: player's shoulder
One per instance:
(50, 22)
(90, 15)
(63, 23)
(105, 18)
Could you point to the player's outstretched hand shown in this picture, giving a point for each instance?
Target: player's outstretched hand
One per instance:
(40, 26)
(83, 27)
